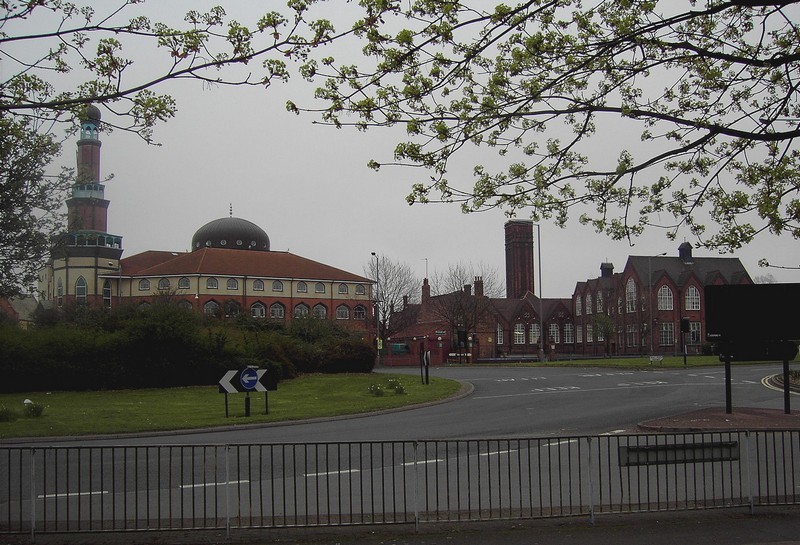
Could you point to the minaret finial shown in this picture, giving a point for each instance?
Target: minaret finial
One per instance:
(230, 209)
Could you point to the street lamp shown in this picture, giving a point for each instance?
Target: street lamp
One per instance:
(377, 307)
(650, 296)
(541, 304)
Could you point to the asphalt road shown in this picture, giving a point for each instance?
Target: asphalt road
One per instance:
(520, 402)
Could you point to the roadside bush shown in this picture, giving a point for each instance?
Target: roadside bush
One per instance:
(347, 356)
(33, 410)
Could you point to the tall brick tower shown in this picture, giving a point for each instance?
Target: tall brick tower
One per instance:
(519, 258)
(86, 251)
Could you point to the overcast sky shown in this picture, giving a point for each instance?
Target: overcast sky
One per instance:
(308, 186)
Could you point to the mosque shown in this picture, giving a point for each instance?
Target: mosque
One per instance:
(230, 270)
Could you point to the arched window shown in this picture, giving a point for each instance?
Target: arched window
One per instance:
(665, 298)
(80, 290)
(212, 284)
(692, 298)
(302, 287)
(107, 294)
(278, 312)
(232, 309)
(59, 293)
(211, 308)
(519, 333)
(258, 310)
(320, 311)
(301, 311)
(163, 284)
(360, 312)
(360, 289)
(342, 312)
(233, 284)
(144, 306)
(319, 287)
(578, 305)
(184, 304)
(533, 334)
(598, 308)
(258, 285)
(183, 284)
(555, 336)
(588, 303)
(277, 285)
(343, 288)
(144, 284)
(630, 296)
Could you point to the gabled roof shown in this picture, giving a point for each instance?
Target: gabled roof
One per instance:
(729, 268)
(227, 262)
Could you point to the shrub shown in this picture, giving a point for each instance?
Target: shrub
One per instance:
(376, 390)
(6, 414)
(397, 386)
(33, 410)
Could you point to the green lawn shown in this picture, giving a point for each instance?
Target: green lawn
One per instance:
(80, 413)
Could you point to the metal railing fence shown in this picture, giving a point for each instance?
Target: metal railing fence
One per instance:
(115, 488)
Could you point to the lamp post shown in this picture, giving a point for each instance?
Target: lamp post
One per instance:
(541, 304)
(377, 307)
(650, 297)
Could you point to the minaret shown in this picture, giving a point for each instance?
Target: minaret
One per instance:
(519, 258)
(87, 251)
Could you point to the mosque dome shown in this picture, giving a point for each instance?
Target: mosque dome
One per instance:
(91, 115)
(231, 233)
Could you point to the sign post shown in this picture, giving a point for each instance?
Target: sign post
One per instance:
(249, 379)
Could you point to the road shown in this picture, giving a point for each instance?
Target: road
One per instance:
(519, 402)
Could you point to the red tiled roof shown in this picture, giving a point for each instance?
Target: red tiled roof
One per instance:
(225, 262)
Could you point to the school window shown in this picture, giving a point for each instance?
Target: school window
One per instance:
(692, 298)
(519, 333)
(667, 334)
(665, 298)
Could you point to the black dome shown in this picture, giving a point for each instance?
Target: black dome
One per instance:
(91, 115)
(231, 233)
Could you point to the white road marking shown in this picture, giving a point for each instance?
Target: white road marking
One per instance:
(436, 461)
(496, 452)
(325, 473)
(70, 495)
(204, 485)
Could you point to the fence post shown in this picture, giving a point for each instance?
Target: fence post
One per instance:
(748, 470)
(591, 484)
(416, 489)
(227, 493)
(33, 495)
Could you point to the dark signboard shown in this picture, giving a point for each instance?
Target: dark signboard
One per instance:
(754, 321)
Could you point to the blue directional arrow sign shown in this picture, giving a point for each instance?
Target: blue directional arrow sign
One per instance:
(249, 378)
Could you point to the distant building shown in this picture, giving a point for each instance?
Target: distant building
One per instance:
(641, 310)
(607, 315)
(467, 325)
(19, 310)
(230, 270)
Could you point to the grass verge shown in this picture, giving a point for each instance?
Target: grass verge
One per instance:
(126, 411)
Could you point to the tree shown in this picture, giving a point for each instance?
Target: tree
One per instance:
(58, 57)
(628, 114)
(457, 302)
(396, 282)
(29, 203)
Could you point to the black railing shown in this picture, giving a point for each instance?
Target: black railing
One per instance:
(108, 488)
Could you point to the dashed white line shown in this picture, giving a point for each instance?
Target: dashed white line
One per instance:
(204, 485)
(325, 473)
(70, 494)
